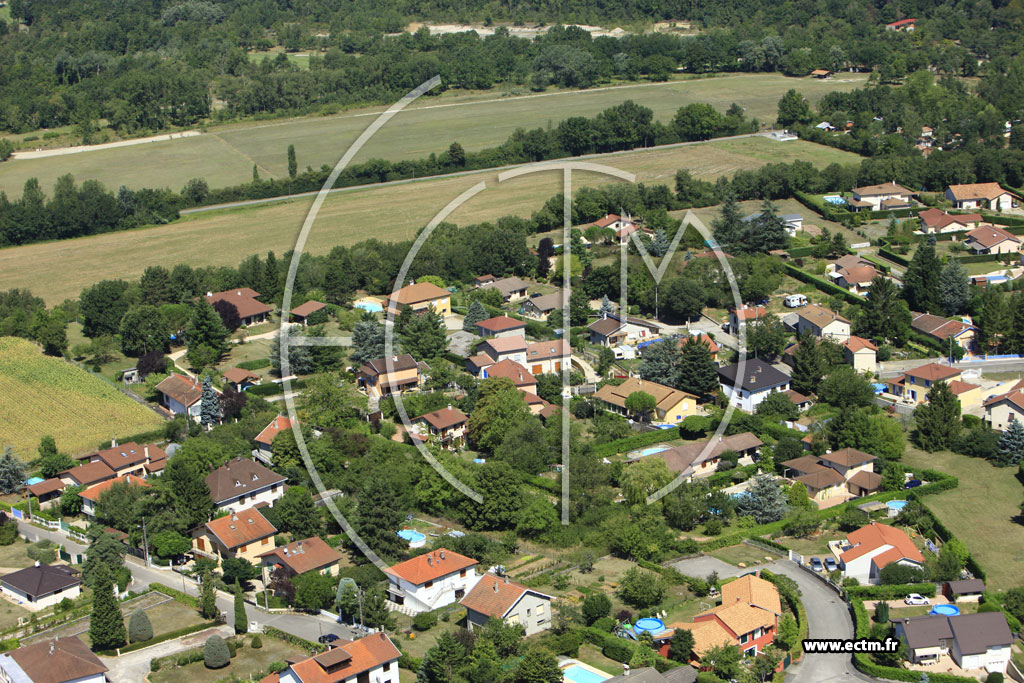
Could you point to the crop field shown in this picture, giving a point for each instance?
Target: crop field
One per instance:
(390, 212)
(225, 155)
(44, 395)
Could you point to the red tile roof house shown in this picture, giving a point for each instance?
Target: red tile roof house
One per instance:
(181, 395)
(913, 385)
(57, 660)
(545, 357)
(246, 534)
(380, 378)
(299, 557)
(265, 439)
(86, 475)
(371, 659)
(41, 585)
(519, 375)
(748, 616)
(988, 239)
(934, 221)
(91, 496)
(495, 350)
(880, 197)
(745, 315)
(250, 310)
(445, 427)
(501, 326)
(509, 601)
(242, 483)
(1000, 410)
(240, 378)
(129, 458)
(981, 196)
(433, 580)
(941, 329)
(869, 549)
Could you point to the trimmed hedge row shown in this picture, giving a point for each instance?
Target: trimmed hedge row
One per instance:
(798, 252)
(307, 645)
(163, 637)
(823, 285)
(884, 267)
(891, 592)
(256, 364)
(979, 258)
(273, 388)
(893, 256)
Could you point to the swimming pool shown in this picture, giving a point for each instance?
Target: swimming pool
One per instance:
(577, 674)
(650, 450)
(415, 538)
(945, 610)
(834, 199)
(896, 507)
(369, 305)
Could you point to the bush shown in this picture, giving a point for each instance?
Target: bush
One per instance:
(604, 624)
(892, 592)
(215, 653)
(139, 627)
(424, 621)
(617, 649)
(232, 648)
(8, 532)
(154, 665)
(994, 677)
(277, 666)
(256, 643)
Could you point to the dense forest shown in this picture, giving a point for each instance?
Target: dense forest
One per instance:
(145, 66)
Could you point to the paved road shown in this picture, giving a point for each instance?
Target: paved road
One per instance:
(304, 625)
(498, 169)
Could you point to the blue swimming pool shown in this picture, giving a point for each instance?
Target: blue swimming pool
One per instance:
(371, 306)
(945, 610)
(415, 538)
(834, 199)
(577, 674)
(650, 450)
(896, 504)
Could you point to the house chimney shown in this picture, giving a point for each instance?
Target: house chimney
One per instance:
(430, 560)
(113, 443)
(234, 516)
(51, 648)
(298, 548)
(449, 406)
(209, 294)
(506, 580)
(442, 553)
(625, 669)
(495, 586)
(145, 451)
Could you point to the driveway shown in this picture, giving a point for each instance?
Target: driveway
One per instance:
(134, 666)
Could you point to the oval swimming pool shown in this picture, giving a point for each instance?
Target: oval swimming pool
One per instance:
(896, 507)
(648, 624)
(945, 610)
(415, 538)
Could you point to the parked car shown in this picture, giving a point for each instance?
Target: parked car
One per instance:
(830, 564)
(913, 483)
(916, 599)
(328, 638)
(816, 564)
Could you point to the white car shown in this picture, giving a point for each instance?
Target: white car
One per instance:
(916, 599)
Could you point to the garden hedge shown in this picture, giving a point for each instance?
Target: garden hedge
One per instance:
(307, 645)
(635, 441)
(163, 637)
(822, 284)
(893, 256)
(273, 388)
(892, 592)
(256, 364)
(177, 595)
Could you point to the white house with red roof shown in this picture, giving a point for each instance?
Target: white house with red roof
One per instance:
(988, 239)
(265, 439)
(432, 580)
(499, 598)
(935, 221)
(871, 548)
(501, 326)
(745, 315)
(181, 395)
(981, 196)
(250, 310)
(1004, 409)
(371, 659)
(860, 353)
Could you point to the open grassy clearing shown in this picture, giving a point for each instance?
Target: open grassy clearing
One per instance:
(983, 512)
(388, 213)
(247, 662)
(226, 154)
(748, 555)
(44, 395)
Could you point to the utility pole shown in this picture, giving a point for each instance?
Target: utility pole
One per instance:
(145, 541)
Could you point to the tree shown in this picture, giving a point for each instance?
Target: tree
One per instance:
(643, 478)
(155, 286)
(442, 661)
(539, 665)
(241, 621)
(71, 502)
(423, 335)
(766, 337)
(640, 403)
(143, 329)
(499, 409)
(793, 108)
(788, 633)
(954, 287)
(376, 613)
(238, 570)
(379, 517)
(605, 360)
(102, 306)
(884, 315)
(168, 544)
(476, 313)
(228, 313)
(778, 405)
(641, 589)
(206, 335)
(367, 340)
(683, 297)
(723, 660)
(579, 307)
(216, 654)
(938, 419)
(893, 477)
(314, 591)
(1011, 444)
(139, 628)
(696, 369)
(661, 363)
(106, 627)
(207, 596)
(808, 365)
(293, 165)
(797, 497)
(606, 307)
(921, 279)
(50, 461)
(728, 227)
(12, 472)
(296, 513)
(209, 405)
(846, 388)
(765, 233)
(499, 485)
(765, 501)
(597, 605)
(680, 648)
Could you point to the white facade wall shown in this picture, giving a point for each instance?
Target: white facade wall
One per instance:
(266, 495)
(748, 401)
(43, 601)
(385, 673)
(440, 593)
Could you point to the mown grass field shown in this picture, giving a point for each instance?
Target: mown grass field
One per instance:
(225, 154)
(983, 512)
(43, 395)
(389, 213)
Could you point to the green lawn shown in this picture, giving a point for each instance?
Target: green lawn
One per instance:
(812, 546)
(921, 610)
(245, 664)
(983, 511)
(13, 556)
(589, 654)
(747, 554)
(226, 153)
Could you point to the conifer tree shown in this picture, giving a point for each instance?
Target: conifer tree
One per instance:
(106, 627)
(476, 313)
(209, 405)
(1011, 444)
(241, 621)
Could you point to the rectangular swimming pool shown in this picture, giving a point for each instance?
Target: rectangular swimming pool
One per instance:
(577, 674)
